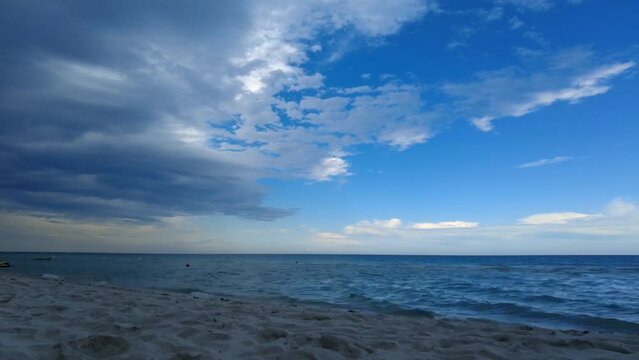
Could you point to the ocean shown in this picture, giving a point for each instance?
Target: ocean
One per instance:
(596, 293)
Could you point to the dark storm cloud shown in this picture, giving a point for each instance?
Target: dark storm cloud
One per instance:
(86, 89)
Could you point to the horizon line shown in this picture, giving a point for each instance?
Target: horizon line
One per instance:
(294, 254)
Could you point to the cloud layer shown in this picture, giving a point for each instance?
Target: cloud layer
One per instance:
(554, 218)
(611, 231)
(397, 227)
(144, 111)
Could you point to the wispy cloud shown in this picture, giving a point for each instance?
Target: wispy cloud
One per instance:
(616, 208)
(335, 239)
(554, 218)
(373, 227)
(445, 225)
(567, 76)
(534, 5)
(620, 207)
(398, 227)
(515, 23)
(544, 162)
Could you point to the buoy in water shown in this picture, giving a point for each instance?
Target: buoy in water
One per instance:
(188, 265)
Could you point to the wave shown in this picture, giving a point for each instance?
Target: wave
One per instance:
(500, 268)
(500, 308)
(386, 307)
(581, 321)
(604, 323)
(547, 299)
(589, 293)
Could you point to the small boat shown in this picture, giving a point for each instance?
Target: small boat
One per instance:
(4, 264)
(44, 258)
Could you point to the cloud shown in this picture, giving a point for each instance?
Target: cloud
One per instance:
(143, 111)
(554, 218)
(445, 225)
(397, 227)
(484, 123)
(310, 135)
(616, 208)
(461, 37)
(330, 167)
(535, 5)
(334, 239)
(131, 178)
(611, 231)
(373, 227)
(544, 162)
(515, 23)
(332, 236)
(620, 207)
(295, 129)
(568, 76)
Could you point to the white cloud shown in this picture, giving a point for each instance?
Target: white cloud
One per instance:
(374, 227)
(444, 225)
(335, 239)
(620, 207)
(397, 227)
(310, 137)
(544, 162)
(616, 208)
(568, 76)
(613, 231)
(329, 168)
(287, 120)
(389, 224)
(331, 235)
(555, 218)
(483, 123)
(276, 45)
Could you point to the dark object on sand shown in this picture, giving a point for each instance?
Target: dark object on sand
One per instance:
(4, 264)
(43, 258)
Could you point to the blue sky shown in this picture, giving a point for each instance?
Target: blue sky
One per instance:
(405, 127)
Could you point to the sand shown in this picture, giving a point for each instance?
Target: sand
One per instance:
(56, 319)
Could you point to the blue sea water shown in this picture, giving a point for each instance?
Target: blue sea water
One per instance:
(598, 293)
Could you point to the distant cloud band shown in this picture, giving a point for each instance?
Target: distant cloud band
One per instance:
(544, 162)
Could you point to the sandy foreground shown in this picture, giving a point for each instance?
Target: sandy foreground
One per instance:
(52, 319)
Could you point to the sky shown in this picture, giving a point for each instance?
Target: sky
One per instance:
(334, 126)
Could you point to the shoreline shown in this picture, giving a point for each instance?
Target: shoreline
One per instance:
(49, 318)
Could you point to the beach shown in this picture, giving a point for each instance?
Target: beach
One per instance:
(58, 319)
